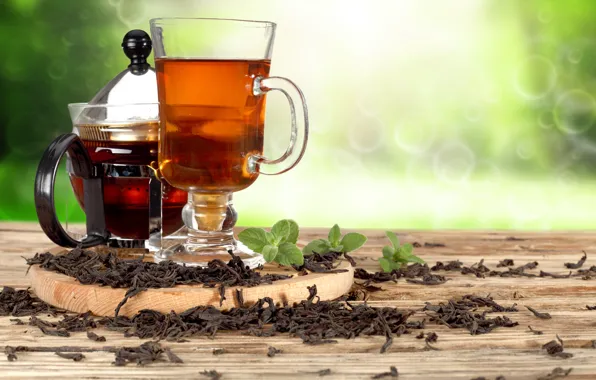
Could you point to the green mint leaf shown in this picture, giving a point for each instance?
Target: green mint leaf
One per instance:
(386, 265)
(393, 237)
(334, 236)
(320, 246)
(414, 259)
(293, 235)
(281, 230)
(270, 238)
(388, 252)
(289, 254)
(406, 249)
(254, 238)
(338, 249)
(270, 252)
(353, 241)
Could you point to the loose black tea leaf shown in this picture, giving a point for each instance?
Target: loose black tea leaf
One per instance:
(587, 307)
(555, 348)
(594, 344)
(324, 372)
(450, 266)
(392, 373)
(146, 353)
(11, 353)
(218, 351)
(17, 321)
(432, 337)
(212, 374)
(91, 267)
(556, 373)
(94, 337)
(222, 294)
(434, 245)
(77, 356)
(129, 294)
(513, 238)
(463, 313)
(172, 357)
(20, 303)
(420, 336)
(272, 351)
(415, 273)
(505, 263)
(538, 314)
(535, 332)
(579, 264)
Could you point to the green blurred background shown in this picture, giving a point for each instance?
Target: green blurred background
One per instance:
(424, 113)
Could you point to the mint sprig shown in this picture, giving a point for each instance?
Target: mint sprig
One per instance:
(335, 243)
(396, 256)
(277, 246)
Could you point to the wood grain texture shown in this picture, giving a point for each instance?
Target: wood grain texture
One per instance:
(67, 293)
(512, 352)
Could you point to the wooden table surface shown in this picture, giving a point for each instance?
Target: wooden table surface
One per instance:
(511, 352)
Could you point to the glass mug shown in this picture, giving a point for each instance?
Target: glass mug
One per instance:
(212, 77)
(114, 146)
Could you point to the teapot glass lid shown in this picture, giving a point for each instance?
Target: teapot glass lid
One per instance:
(136, 85)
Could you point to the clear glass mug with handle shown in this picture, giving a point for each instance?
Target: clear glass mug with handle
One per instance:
(213, 75)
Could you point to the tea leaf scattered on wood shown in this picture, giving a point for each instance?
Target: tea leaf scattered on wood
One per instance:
(211, 374)
(464, 313)
(218, 351)
(535, 332)
(272, 351)
(556, 373)
(94, 337)
(587, 307)
(556, 348)
(579, 264)
(505, 263)
(434, 245)
(91, 267)
(538, 314)
(392, 373)
(414, 273)
(20, 303)
(77, 356)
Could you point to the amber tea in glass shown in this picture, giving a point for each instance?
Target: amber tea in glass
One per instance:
(212, 77)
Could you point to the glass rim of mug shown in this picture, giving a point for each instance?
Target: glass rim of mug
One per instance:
(240, 21)
(88, 105)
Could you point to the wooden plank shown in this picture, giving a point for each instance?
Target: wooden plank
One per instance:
(512, 352)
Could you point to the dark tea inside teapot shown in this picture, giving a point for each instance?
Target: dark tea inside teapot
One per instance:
(118, 129)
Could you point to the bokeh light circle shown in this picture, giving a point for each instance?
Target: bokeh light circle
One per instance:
(525, 150)
(535, 77)
(575, 112)
(546, 119)
(366, 134)
(575, 55)
(454, 162)
(131, 12)
(57, 70)
(414, 139)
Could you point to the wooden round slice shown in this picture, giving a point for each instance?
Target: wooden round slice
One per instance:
(67, 293)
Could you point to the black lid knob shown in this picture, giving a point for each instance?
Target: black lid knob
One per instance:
(137, 47)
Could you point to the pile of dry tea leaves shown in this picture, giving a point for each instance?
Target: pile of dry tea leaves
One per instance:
(313, 320)
(464, 313)
(91, 267)
(19, 303)
(414, 273)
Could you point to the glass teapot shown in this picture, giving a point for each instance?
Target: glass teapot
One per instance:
(110, 158)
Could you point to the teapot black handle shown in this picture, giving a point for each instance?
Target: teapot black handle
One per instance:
(97, 233)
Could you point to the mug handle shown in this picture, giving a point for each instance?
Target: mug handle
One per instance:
(261, 86)
(92, 190)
